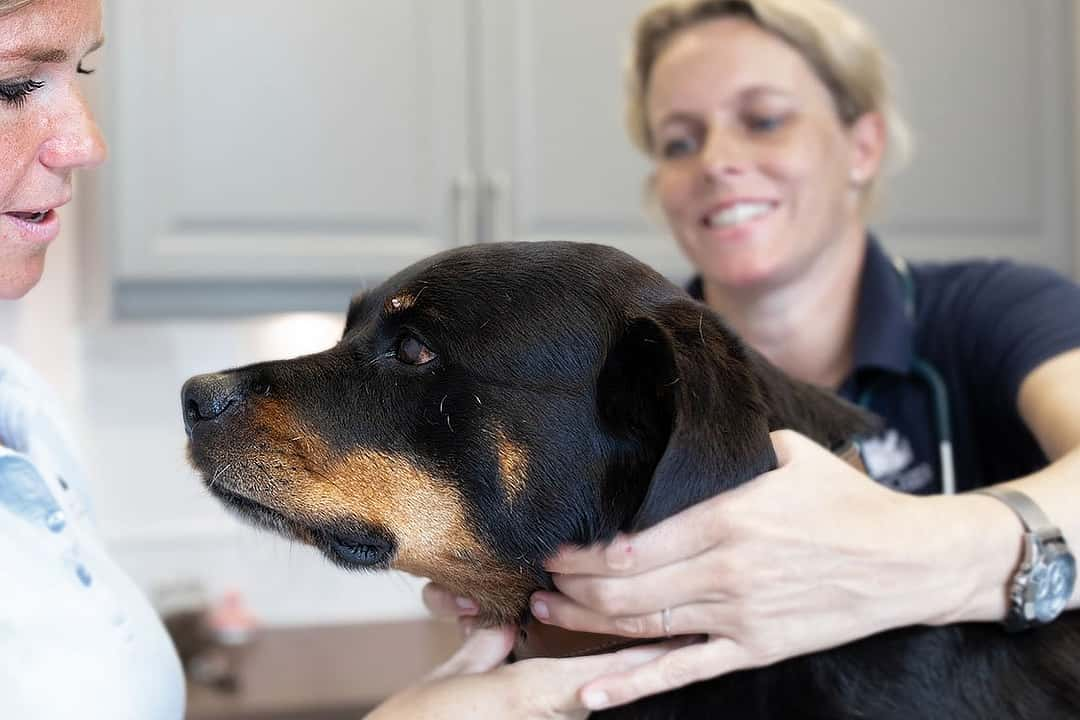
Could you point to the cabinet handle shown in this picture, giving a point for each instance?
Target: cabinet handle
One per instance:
(500, 208)
(463, 207)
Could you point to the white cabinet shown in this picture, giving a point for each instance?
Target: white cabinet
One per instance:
(270, 154)
(556, 159)
(988, 88)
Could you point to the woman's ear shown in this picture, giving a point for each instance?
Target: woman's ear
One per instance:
(869, 138)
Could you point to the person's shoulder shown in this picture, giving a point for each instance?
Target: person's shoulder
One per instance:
(23, 390)
(29, 406)
(16, 371)
(984, 282)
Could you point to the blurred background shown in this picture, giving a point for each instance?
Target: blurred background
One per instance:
(271, 157)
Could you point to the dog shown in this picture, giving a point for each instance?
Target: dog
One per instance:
(494, 402)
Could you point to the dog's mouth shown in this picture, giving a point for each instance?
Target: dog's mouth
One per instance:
(352, 548)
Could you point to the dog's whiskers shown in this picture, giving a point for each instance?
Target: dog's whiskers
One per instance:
(218, 474)
(448, 424)
(442, 402)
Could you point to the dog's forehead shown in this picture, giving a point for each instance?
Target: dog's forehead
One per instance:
(502, 282)
(488, 269)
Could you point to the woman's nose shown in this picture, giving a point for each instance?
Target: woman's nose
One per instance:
(723, 154)
(75, 140)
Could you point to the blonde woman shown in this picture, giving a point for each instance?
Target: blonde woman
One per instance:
(768, 123)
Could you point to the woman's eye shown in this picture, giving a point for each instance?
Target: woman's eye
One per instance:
(15, 93)
(678, 147)
(764, 123)
(413, 352)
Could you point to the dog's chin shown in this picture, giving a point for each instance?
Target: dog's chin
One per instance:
(351, 548)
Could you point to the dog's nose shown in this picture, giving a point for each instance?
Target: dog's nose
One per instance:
(205, 397)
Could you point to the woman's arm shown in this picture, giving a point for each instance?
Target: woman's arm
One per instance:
(475, 683)
(1050, 405)
(812, 556)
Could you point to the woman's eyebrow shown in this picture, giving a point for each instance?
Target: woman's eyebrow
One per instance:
(44, 54)
(677, 117)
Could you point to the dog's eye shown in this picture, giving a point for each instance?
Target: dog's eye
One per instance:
(413, 352)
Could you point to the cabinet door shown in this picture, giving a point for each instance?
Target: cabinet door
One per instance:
(292, 149)
(556, 161)
(987, 88)
(989, 108)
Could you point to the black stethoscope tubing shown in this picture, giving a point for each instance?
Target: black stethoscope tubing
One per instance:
(929, 375)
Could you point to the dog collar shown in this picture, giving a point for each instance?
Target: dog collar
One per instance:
(535, 639)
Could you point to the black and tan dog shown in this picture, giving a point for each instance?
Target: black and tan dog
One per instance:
(491, 403)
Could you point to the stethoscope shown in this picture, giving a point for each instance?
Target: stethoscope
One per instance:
(928, 374)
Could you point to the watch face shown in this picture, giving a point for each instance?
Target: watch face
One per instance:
(1052, 582)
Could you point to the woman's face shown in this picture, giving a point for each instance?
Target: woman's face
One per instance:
(754, 169)
(46, 129)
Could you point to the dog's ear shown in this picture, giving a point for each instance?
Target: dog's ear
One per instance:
(681, 385)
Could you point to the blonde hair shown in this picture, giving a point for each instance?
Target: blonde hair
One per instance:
(840, 49)
(10, 6)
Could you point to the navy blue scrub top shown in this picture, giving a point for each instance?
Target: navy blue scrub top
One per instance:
(984, 326)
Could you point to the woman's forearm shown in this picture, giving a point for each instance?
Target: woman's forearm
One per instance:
(979, 540)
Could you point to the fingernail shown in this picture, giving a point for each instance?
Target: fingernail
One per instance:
(596, 700)
(466, 604)
(540, 610)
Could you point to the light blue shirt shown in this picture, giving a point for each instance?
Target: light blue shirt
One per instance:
(77, 637)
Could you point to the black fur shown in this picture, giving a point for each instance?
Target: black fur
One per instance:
(631, 402)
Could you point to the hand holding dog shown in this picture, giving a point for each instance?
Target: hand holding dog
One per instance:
(804, 558)
(476, 683)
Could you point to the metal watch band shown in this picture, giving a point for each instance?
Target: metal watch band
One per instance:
(1030, 514)
(1041, 536)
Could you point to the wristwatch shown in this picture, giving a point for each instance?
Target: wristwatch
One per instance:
(1043, 584)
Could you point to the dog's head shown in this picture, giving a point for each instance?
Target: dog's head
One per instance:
(490, 403)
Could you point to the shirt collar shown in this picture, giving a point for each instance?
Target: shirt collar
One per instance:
(884, 334)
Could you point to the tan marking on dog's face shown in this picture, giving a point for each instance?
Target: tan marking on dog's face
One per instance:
(266, 450)
(428, 520)
(424, 515)
(513, 465)
(294, 472)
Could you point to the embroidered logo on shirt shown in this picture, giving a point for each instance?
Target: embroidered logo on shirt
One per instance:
(888, 459)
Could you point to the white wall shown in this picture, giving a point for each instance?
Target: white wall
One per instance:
(1076, 142)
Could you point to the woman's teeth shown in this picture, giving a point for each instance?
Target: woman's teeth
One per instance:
(736, 214)
(30, 217)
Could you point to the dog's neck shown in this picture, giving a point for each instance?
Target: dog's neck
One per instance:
(535, 639)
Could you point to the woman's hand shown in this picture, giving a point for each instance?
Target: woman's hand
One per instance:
(444, 605)
(476, 683)
(807, 557)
